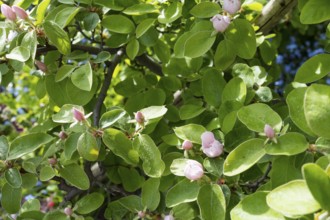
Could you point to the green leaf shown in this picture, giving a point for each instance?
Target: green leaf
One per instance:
(191, 132)
(63, 72)
(41, 10)
(153, 112)
(11, 198)
(211, 202)
(295, 101)
(198, 43)
(118, 24)
(205, 10)
(3, 38)
(30, 205)
(212, 86)
(317, 109)
(131, 202)
(183, 192)
(150, 195)
(65, 16)
(102, 57)
(132, 48)
(152, 164)
(144, 26)
(46, 173)
(55, 215)
(244, 156)
(318, 183)
(313, 69)
(256, 116)
(224, 55)
(57, 36)
(288, 144)
(190, 111)
(171, 13)
(120, 145)
(88, 147)
(130, 179)
(30, 42)
(65, 115)
(75, 175)
(4, 149)
(242, 36)
(82, 77)
(27, 144)
(315, 11)
(89, 203)
(111, 117)
(140, 9)
(214, 165)
(19, 53)
(91, 21)
(235, 90)
(13, 177)
(292, 199)
(254, 207)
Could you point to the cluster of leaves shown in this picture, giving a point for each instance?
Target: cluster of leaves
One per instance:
(177, 78)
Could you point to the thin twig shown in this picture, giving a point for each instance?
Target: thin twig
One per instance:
(255, 185)
(106, 84)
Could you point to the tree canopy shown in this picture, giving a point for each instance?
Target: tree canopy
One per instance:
(164, 109)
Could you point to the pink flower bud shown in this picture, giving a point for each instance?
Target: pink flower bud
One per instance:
(187, 145)
(214, 150)
(220, 23)
(68, 211)
(62, 135)
(141, 214)
(269, 131)
(139, 117)
(207, 139)
(78, 115)
(20, 12)
(8, 12)
(52, 161)
(168, 217)
(231, 6)
(41, 66)
(193, 170)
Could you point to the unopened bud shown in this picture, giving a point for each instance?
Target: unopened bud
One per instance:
(220, 22)
(231, 6)
(139, 117)
(78, 115)
(141, 214)
(269, 131)
(214, 150)
(8, 12)
(68, 211)
(20, 12)
(62, 135)
(187, 145)
(52, 161)
(41, 66)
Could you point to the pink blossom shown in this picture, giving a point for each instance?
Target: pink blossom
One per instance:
(169, 217)
(269, 131)
(139, 117)
(8, 12)
(220, 22)
(210, 146)
(78, 115)
(207, 138)
(231, 6)
(193, 170)
(20, 12)
(214, 150)
(187, 145)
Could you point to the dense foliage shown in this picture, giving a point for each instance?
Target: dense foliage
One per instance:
(164, 109)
